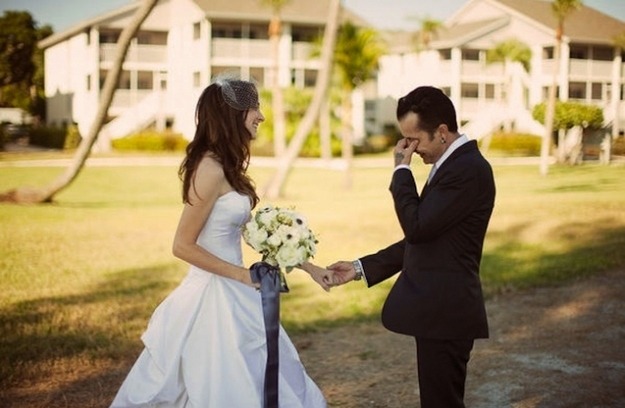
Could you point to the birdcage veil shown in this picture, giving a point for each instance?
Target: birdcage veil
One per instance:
(239, 94)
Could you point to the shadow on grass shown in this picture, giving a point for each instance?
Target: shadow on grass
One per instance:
(560, 254)
(100, 322)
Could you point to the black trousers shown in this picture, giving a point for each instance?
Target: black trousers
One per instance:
(442, 370)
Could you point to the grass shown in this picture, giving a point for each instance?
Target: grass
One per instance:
(80, 277)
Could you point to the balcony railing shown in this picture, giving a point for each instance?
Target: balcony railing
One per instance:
(125, 98)
(256, 50)
(136, 53)
(578, 68)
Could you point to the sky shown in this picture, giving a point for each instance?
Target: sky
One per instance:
(383, 14)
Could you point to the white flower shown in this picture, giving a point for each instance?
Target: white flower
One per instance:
(281, 236)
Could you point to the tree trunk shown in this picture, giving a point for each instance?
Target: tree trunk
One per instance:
(325, 130)
(277, 98)
(46, 194)
(545, 147)
(273, 189)
(347, 146)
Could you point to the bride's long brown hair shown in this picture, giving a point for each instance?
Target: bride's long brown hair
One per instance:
(221, 133)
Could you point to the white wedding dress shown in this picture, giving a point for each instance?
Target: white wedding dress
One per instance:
(205, 344)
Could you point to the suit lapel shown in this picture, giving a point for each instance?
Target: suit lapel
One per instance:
(465, 148)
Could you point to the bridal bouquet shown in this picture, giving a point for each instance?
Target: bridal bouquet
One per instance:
(281, 236)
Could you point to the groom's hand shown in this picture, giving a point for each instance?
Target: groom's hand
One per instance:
(403, 151)
(343, 272)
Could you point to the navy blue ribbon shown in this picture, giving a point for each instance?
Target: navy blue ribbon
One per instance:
(271, 284)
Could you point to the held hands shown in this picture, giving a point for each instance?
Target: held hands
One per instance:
(336, 274)
(403, 151)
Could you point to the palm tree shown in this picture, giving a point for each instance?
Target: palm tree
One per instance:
(509, 51)
(46, 194)
(357, 54)
(428, 32)
(273, 189)
(561, 9)
(277, 98)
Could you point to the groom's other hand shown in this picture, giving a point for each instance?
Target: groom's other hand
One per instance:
(343, 272)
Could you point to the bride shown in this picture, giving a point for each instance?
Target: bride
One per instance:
(205, 344)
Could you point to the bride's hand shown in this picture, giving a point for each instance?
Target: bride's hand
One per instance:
(324, 277)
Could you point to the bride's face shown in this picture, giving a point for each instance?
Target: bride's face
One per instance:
(253, 118)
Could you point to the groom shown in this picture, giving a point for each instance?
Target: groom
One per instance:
(437, 297)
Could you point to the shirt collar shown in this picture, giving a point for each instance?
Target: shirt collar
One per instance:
(456, 144)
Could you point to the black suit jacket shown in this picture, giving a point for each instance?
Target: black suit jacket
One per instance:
(438, 294)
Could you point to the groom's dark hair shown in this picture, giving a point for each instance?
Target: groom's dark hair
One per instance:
(433, 107)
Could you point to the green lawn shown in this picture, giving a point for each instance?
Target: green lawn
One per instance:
(80, 277)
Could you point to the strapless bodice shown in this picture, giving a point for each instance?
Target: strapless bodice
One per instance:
(221, 235)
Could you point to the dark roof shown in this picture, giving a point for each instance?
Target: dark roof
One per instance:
(583, 25)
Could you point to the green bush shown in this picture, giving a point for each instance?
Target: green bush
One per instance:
(72, 138)
(151, 140)
(570, 114)
(50, 137)
(515, 144)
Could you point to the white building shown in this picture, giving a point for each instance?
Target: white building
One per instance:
(184, 43)
(180, 47)
(591, 70)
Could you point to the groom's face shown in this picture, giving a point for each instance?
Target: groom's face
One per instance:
(430, 146)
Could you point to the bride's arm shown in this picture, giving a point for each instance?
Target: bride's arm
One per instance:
(320, 275)
(209, 183)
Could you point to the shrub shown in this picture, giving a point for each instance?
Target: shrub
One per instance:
(50, 137)
(151, 140)
(72, 138)
(515, 144)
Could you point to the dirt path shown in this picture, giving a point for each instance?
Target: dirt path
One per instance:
(550, 347)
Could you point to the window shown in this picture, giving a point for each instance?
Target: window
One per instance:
(109, 37)
(305, 34)
(596, 91)
(578, 52)
(152, 38)
(259, 32)
(577, 90)
(197, 30)
(445, 54)
(471, 55)
(469, 90)
(196, 79)
(226, 30)
(490, 91)
(88, 82)
(145, 80)
(548, 53)
(602, 54)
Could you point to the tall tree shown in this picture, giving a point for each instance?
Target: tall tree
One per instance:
(274, 187)
(277, 97)
(357, 54)
(428, 32)
(46, 194)
(561, 10)
(509, 51)
(21, 70)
